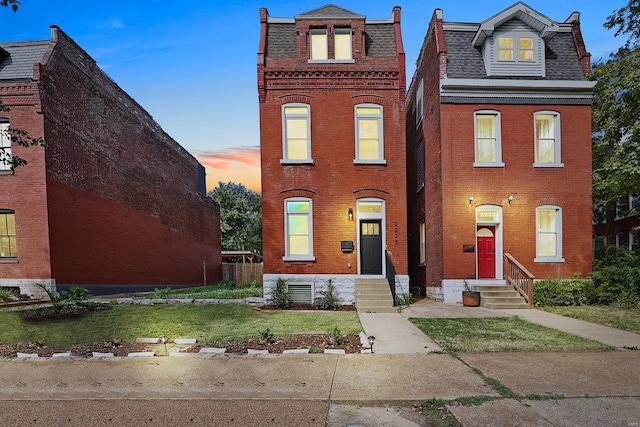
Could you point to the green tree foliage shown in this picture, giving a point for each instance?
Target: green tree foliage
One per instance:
(616, 111)
(240, 216)
(13, 3)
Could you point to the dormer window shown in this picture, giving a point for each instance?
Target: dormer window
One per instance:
(515, 49)
(319, 45)
(331, 44)
(342, 39)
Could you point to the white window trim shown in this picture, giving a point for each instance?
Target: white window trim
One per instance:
(318, 31)
(559, 257)
(420, 102)
(343, 30)
(633, 200)
(557, 145)
(498, 131)
(5, 145)
(380, 117)
(308, 257)
(633, 236)
(285, 160)
(515, 36)
(422, 237)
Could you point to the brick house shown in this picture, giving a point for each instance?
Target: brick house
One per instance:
(499, 151)
(616, 224)
(331, 88)
(113, 200)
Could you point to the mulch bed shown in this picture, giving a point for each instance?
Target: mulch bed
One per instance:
(316, 343)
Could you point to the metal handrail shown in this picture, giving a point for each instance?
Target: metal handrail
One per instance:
(391, 277)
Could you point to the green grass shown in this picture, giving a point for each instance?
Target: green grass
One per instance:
(207, 323)
(223, 290)
(621, 318)
(500, 334)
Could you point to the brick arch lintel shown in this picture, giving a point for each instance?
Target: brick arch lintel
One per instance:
(298, 192)
(371, 192)
(367, 99)
(295, 97)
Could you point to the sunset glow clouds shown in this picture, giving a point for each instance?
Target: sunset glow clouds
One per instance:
(240, 165)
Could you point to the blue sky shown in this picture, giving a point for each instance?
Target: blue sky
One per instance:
(192, 65)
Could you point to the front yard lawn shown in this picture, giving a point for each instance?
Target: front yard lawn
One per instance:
(207, 323)
(621, 318)
(500, 334)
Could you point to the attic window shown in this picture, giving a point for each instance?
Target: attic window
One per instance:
(522, 49)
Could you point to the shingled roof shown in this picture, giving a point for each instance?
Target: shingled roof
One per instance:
(329, 11)
(18, 65)
(464, 61)
(380, 39)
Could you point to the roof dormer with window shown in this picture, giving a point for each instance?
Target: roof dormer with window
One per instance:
(513, 42)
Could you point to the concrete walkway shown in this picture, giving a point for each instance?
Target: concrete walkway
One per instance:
(395, 334)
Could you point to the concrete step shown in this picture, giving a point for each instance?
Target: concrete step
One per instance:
(375, 297)
(492, 288)
(505, 306)
(377, 309)
(513, 299)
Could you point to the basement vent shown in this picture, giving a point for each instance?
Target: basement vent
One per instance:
(300, 294)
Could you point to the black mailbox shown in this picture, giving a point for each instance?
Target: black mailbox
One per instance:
(346, 245)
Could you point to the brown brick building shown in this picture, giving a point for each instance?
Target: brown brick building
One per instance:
(499, 151)
(331, 87)
(113, 200)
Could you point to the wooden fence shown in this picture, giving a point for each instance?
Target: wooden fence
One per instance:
(242, 273)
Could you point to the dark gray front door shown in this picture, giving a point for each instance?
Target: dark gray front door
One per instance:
(371, 246)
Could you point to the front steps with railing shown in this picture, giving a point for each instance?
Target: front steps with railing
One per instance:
(374, 296)
(499, 296)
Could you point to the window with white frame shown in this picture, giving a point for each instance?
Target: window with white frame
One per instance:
(419, 102)
(342, 43)
(549, 234)
(5, 146)
(296, 131)
(488, 144)
(369, 134)
(634, 240)
(423, 243)
(319, 45)
(547, 139)
(298, 230)
(511, 48)
(8, 239)
(633, 203)
(621, 240)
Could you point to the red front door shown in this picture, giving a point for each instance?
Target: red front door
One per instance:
(486, 252)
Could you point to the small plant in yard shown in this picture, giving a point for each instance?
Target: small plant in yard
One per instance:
(162, 293)
(73, 303)
(336, 336)
(266, 336)
(328, 299)
(5, 294)
(405, 299)
(280, 296)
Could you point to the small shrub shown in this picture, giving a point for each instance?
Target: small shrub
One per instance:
(5, 294)
(328, 299)
(405, 299)
(563, 292)
(616, 277)
(267, 336)
(336, 336)
(162, 293)
(77, 294)
(24, 297)
(280, 296)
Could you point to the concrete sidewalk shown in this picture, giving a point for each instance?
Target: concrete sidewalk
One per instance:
(600, 388)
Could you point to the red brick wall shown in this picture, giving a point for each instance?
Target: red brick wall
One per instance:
(568, 187)
(103, 143)
(94, 240)
(123, 201)
(24, 190)
(427, 202)
(333, 182)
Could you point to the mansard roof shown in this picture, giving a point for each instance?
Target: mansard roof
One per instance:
(546, 27)
(17, 62)
(464, 61)
(329, 11)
